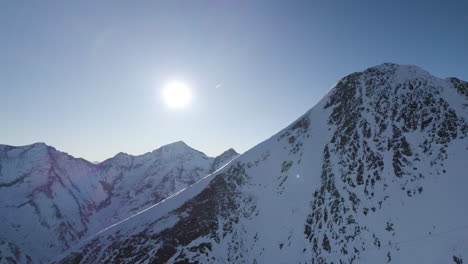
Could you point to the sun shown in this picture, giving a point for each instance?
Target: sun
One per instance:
(177, 95)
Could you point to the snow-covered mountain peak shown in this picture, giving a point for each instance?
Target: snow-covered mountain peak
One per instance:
(167, 152)
(402, 71)
(35, 147)
(176, 144)
(119, 158)
(398, 81)
(37, 155)
(178, 150)
(224, 158)
(175, 147)
(394, 74)
(230, 151)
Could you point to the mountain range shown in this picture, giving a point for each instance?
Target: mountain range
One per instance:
(49, 200)
(373, 173)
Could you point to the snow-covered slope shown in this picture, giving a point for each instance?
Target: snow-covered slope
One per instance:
(374, 173)
(50, 200)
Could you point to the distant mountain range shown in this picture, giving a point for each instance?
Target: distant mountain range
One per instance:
(49, 200)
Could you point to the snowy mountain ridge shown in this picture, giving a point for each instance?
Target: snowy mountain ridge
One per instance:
(371, 174)
(51, 200)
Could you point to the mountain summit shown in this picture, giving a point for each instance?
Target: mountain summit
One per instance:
(372, 174)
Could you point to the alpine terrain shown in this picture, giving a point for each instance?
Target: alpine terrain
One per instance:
(374, 173)
(49, 200)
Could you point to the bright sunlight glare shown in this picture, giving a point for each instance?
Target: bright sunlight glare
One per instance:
(177, 95)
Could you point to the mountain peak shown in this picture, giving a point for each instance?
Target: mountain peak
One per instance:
(177, 144)
(230, 152)
(33, 145)
(39, 149)
(122, 155)
(178, 147)
(39, 144)
(224, 158)
(401, 79)
(398, 72)
(390, 66)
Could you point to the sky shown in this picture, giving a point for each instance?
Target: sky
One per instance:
(86, 76)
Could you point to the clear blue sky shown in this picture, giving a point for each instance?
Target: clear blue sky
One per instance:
(85, 76)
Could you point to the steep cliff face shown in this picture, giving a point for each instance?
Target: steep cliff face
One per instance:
(372, 174)
(50, 200)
